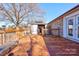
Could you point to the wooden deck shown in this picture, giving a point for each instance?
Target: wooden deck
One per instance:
(59, 46)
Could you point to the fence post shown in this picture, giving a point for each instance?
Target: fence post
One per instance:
(2, 39)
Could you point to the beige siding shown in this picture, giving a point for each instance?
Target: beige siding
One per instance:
(56, 27)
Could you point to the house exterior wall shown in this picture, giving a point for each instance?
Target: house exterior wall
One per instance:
(56, 27)
(65, 24)
(62, 23)
(34, 29)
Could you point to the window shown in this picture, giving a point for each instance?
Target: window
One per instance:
(70, 22)
(70, 27)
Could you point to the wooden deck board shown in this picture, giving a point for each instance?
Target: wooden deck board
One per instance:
(59, 46)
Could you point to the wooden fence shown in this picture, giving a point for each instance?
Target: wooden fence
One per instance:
(7, 37)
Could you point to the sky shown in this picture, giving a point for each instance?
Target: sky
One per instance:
(53, 10)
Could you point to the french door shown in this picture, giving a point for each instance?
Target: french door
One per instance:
(70, 27)
(73, 27)
(77, 27)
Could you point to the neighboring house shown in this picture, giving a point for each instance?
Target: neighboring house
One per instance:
(38, 27)
(66, 25)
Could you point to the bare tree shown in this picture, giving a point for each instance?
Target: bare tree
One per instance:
(15, 13)
(19, 12)
(36, 13)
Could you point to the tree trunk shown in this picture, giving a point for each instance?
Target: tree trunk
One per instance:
(17, 34)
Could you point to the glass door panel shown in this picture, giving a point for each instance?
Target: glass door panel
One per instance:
(77, 27)
(78, 32)
(70, 27)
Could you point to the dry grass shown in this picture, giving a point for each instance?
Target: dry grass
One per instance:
(34, 44)
(38, 46)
